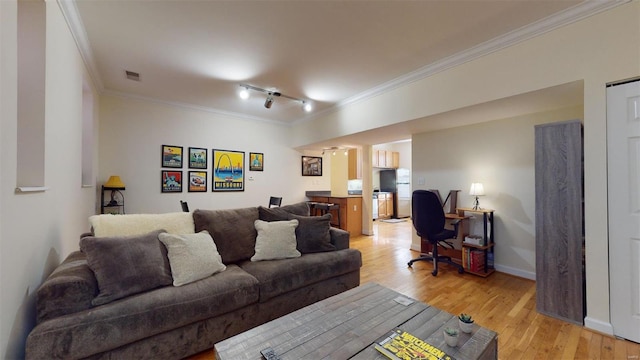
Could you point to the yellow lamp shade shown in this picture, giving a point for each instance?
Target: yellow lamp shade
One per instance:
(114, 182)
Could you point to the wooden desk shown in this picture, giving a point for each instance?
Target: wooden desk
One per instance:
(456, 253)
(345, 326)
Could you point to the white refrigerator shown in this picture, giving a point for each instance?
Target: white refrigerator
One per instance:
(403, 182)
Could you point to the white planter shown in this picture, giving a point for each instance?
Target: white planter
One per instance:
(451, 340)
(465, 327)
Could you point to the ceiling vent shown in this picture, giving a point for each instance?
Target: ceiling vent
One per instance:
(132, 75)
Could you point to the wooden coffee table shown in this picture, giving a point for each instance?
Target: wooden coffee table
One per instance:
(345, 326)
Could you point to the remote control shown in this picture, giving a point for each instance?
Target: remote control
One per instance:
(269, 354)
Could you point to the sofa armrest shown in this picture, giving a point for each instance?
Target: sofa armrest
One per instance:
(69, 289)
(339, 238)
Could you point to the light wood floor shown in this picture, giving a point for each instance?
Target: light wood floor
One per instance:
(503, 303)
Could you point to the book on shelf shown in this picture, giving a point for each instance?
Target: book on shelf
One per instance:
(398, 344)
(473, 259)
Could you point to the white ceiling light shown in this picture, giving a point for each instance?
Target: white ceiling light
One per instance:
(271, 94)
(244, 93)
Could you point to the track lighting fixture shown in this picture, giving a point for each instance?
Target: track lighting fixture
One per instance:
(335, 149)
(268, 102)
(271, 95)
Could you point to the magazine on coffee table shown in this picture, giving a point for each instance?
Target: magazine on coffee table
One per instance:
(401, 345)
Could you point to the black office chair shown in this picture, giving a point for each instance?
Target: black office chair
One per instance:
(275, 201)
(428, 220)
(185, 206)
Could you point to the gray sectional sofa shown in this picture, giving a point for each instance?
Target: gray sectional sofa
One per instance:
(172, 322)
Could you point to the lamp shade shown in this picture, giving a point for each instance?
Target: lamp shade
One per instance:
(476, 189)
(114, 182)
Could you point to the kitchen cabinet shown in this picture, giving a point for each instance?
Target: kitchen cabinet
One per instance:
(385, 205)
(386, 159)
(374, 158)
(355, 164)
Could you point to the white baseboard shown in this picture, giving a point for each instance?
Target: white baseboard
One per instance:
(599, 326)
(516, 272)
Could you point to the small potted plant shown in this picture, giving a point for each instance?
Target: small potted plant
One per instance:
(451, 336)
(465, 322)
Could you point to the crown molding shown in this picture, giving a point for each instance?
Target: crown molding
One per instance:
(576, 13)
(72, 17)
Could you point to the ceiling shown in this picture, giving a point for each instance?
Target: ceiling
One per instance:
(331, 53)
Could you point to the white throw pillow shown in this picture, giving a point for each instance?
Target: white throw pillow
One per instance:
(276, 240)
(138, 224)
(192, 256)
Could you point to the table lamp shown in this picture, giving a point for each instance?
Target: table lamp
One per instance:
(476, 190)
(114, 184)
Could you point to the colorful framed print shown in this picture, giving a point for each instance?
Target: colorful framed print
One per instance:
(311, 166)
(228, 170)
(197, 181)
(197, 158)
(171, 156)
(171, 181)
(256, 161)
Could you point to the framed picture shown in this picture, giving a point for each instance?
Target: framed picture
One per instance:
(171, 181)
(228, 170)
(256, 161)
(197, 181)
(197, 158)
(311, 166)
(171, 156)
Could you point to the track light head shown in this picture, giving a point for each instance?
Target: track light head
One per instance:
(244, 94)
(307, 106)
(268, 102)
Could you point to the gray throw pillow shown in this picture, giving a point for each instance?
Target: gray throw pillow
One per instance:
(192, 256)
(282, 213)
(232, 229)
(275, 240)
(312, 233)
(127, 265)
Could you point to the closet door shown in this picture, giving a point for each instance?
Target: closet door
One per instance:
(559, 226)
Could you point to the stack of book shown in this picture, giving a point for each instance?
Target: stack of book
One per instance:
(474, 259)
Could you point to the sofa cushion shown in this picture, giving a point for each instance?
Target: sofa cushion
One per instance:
(143, 315)
(232, 230)
(275, 240)
(138, 224)
(69, 289)
(126, 265)
(192, 256)
(282, 213)
(312, 233)
(280, 276)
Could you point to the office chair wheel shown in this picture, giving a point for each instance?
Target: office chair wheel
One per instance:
(434, 272)
(410, 263)
(460, 271)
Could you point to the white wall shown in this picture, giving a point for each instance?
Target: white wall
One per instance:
(132, 133)
(596, 50)
(504, 165)
(38, 230)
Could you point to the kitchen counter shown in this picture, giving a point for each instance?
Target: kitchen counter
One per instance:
(350, 214)
(327, 194)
